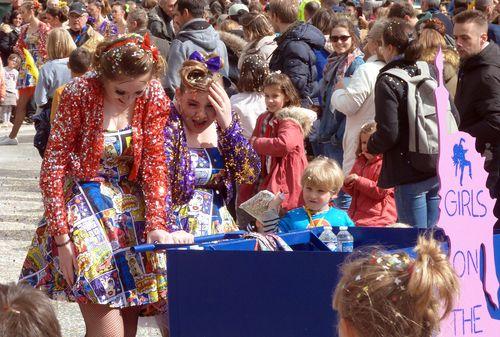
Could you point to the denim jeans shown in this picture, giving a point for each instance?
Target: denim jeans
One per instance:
(418, 203)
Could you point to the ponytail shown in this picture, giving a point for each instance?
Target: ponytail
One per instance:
(400, 34)
(433, 283)
(389, 294)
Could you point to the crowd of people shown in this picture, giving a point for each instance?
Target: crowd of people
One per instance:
(156, 121)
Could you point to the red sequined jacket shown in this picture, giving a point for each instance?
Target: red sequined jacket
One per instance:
(77, 141)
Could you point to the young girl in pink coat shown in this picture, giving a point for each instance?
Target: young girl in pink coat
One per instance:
(278, 138)
(371, 205)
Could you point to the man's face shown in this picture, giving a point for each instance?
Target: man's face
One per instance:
(180, 18)
(77, 22)
(469, 39)
(351, 11)
(168, 6)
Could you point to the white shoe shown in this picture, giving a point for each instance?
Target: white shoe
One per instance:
(8, 141)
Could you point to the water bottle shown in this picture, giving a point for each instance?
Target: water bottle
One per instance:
(345, 240)
(328, 238)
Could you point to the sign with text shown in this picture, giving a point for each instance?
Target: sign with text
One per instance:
(467, 218)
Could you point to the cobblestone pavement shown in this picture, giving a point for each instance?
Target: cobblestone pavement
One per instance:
(20, 209)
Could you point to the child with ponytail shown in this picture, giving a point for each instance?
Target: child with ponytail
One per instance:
(384, 294)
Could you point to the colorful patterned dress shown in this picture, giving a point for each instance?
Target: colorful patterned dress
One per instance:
(202, 181)
(206, 213)
(106, 217)
(36, 44)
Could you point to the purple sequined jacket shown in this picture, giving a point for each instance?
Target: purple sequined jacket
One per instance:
(242, 164)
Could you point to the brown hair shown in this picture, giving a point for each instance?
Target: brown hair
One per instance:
(196, 76)
(285, 10)
(124, 57)
(27, 312)
(149, 4)
(256, 26)
(322, 20)
(476, 17)
(390, 294)
(366, 129)
(254, 70)
(400, 10)
(347, 24)
(283, 82)
(80, 60)
(60, 13)
(229, 25)
(401, 35)
(324, 173)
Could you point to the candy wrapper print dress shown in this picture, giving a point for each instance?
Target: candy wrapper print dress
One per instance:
(108, 213)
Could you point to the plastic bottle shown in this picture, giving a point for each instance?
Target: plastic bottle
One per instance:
(329, 238)
(345, 240)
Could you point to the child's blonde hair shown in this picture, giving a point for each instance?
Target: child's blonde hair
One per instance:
(324, 173)
(389, 294)
(59, 44)
(366, 129)
(26, 311)
(283, 82)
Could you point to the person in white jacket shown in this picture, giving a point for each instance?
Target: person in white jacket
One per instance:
(356, 99)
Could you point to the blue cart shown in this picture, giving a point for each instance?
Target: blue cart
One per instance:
(221, 287)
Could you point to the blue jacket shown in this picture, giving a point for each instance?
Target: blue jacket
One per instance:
(494, 33)
(295, 57)
(195, 35)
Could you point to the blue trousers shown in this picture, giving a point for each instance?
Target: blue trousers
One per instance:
(418, 203)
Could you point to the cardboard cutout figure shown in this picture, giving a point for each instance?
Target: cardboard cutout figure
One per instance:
(467, 218)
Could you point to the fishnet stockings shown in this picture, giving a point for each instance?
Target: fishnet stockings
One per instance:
(103, 321)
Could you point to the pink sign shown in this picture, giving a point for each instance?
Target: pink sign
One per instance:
(467, 218)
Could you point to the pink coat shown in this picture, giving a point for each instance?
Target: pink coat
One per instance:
(371, 206)
(284, 143)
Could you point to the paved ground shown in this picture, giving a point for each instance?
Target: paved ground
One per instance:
(20, 209)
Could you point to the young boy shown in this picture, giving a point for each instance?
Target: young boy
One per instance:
(321, 183)
(79, 63)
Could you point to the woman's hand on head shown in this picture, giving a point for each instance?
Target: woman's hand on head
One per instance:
(160, 236)
(219, 99)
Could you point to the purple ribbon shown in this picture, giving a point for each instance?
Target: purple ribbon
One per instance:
(213, 64)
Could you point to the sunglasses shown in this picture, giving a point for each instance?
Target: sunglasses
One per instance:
(342, 38)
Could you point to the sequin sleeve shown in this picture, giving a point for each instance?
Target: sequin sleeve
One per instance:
(56, 161)
(180, 175)
(239, 157)
(153, 170)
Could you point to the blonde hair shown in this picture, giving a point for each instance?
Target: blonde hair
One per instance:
(286, 10)
(324, 173)
(59, 44)
(366, 129)
(195, 75)
(390, 294)
(26, 311)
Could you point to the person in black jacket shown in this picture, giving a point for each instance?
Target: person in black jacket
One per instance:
(416, 190)
(161, 20)
(478, 93)
(295, 55)
(9, 32)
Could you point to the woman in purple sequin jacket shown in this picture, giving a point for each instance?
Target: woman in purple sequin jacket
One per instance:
(205, 151)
